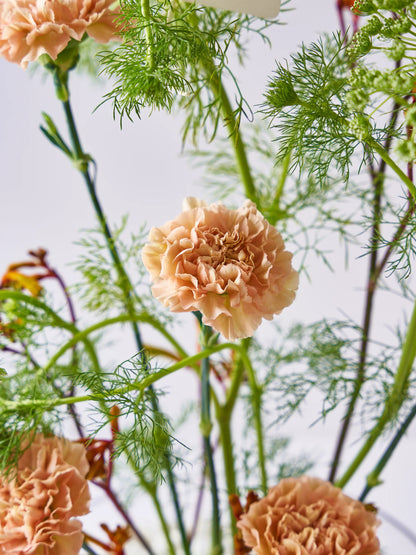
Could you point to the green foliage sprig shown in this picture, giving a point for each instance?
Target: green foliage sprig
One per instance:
(145, 434)
(172, 52)
(305, 105)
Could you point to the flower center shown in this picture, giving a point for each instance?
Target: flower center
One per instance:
(227, 247)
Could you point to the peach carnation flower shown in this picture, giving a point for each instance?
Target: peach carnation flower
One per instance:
(29, 28)
(231, 265)
(37, 505)
(307, 516)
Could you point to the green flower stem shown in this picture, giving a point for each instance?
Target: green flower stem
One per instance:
(393, 403)
(206, 427)
(82, 161)
(230, 122)
(375, 269)
(257, 392)
(384, 155)
(237, 376)
(141, 386)
(378, 186)
(189, 361)
(123, 318)
(178, 510)
(162, 519)
(56, 321)
(223, 418)
(234, 131)
(145, 8)
(223, 415)
(373, 479)
(279, 189)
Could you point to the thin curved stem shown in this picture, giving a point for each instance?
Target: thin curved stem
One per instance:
(234, 132)
(394, 401)
(111, 495)
(145, 9)
(64, 288)
(393, 166)
(274, 211)
(230, 123)
(71, 408)
(365, 334)
(83, 335)
(374, 272)
(56, 321)
(206, 427)
(257, 392)
(83, 161)
(373, 479)
(223, 416)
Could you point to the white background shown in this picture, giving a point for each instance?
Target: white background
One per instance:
(141, 172)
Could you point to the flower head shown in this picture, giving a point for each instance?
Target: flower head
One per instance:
(37, 505)
(307, 516)
(231, 265)
(30, 28)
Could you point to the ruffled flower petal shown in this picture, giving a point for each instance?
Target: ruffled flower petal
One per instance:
(231, 265)
(30, 28)
(308, 516)
(37, 507)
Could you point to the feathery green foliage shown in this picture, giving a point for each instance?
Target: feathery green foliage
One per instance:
(323, 357)
(145, 434)
(19, 418)
(305, 104)
(176, 52)
(99, 287)
(304, 211)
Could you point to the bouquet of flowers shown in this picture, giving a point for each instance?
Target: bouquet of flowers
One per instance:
(150, 402)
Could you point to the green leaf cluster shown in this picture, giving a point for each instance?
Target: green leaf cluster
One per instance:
(20, 419)
(305, 104)
(305, 211)
(323, 357)
(145, 435)
(174, 52)
(100, 288)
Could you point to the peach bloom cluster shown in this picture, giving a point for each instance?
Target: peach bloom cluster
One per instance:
(308, 516)
(231, 265)
(37, 505)
(29, 28)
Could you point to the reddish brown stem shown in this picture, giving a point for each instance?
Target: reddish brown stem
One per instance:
(111, 495)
